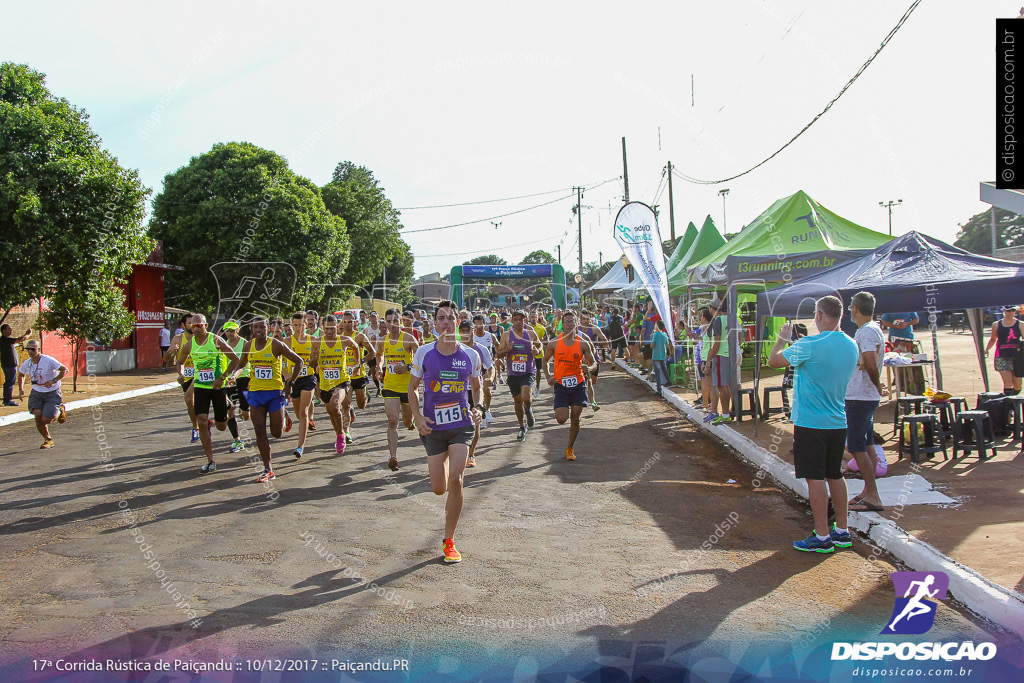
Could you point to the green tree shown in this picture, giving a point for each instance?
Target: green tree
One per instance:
(241, 203)
(537, 258)
(398, 284)
(69, 213)
(95, 311)
(488, 260)
(976, 234)
(373, 224)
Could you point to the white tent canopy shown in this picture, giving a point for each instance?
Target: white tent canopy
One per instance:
(614, 279)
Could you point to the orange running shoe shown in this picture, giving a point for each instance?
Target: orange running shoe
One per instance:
(47, 443)
(287, 422)
(569, 455)
(451, 555)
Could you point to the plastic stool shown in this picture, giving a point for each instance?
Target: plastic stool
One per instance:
(766, 408)
(906, 405)
(985, 397)
(753, 410)
(930, 427)
(959, 404)
(1017, 417)
(946, 413)
(973, 433)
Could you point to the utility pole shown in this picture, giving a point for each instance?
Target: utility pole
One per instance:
(671, 203)
(889, 206)
(579, 234)
(625, 170)
(725, 228)
(559, 254)
(993, 230)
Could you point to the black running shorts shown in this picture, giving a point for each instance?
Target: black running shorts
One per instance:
(818, 453)
(202, 399)
(438, 440)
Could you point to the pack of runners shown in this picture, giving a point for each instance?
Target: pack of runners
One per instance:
(436, 375)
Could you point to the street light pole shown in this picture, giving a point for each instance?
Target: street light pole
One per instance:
(889, 204)
(723, 192)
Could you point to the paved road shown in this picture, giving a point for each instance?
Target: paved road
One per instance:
(640, 548)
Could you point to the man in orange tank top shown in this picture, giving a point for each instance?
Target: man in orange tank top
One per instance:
(572, 358)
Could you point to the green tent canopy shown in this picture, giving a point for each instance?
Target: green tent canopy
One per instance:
(681, 247)
(708, 241)
(793, 238)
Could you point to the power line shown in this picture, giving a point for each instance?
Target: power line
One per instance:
(503, 215)
(484, 251)
(483, 201)
(864, 66)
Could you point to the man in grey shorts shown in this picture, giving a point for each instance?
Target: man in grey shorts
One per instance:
(45, 402)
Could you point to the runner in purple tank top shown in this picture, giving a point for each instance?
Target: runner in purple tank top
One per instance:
(521, 344)
(596, 338)
(448, 371)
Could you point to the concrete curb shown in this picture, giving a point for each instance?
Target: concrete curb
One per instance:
(89, 402)
(993, 602)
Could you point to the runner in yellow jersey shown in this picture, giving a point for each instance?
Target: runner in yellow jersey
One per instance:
(238, 382)
(356, 370)
(395, 353)
(303, 389)
(210, 356)
(335, 382)
(280, 330)
(185, 369)
(542, 334)
(312, 322)
(266, 386)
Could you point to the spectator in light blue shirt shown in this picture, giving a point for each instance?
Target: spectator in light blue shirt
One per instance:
(824, 364)
(661, 347)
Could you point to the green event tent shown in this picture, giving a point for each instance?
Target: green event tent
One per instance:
(707, 242)
(681, 247)
(795, 237)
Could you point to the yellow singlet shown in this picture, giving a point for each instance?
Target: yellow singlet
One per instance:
(354, 362)
(187, 367)
(394, 355)
(331, 364)
(265, 368)
(305, 351)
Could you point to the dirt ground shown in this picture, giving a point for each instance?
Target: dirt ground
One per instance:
(656, 537)
(984, 529)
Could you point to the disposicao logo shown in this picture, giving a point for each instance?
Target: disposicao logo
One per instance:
(914, 614)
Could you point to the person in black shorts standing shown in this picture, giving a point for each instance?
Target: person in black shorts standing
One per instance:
(9, 361)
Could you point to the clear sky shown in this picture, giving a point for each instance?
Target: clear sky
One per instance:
(460, 102)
